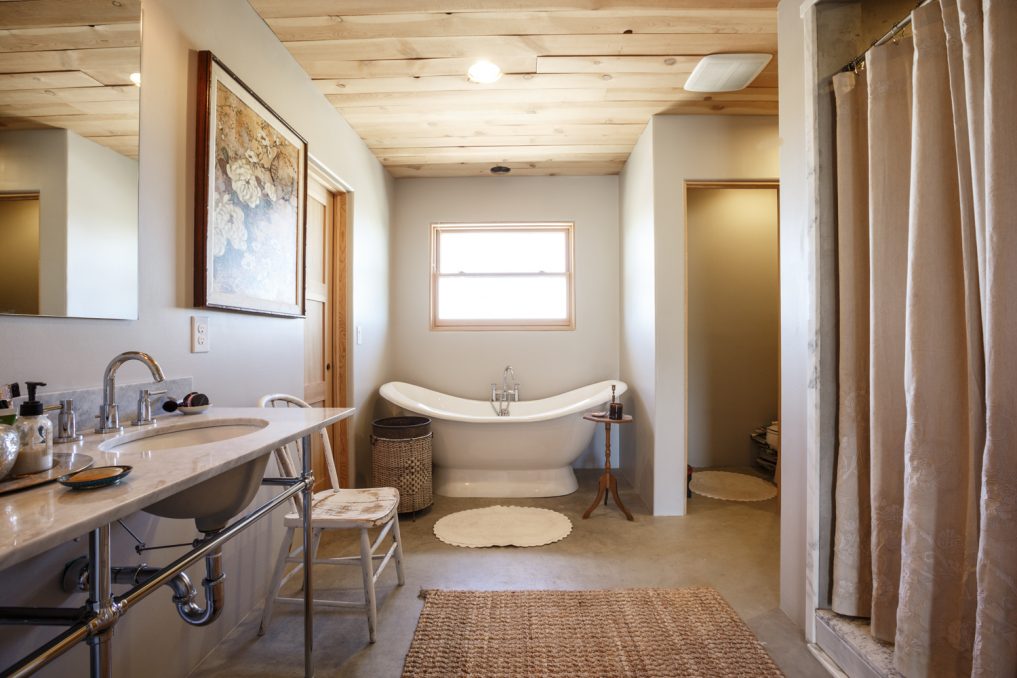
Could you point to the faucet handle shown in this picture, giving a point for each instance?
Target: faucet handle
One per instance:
(67, 424)
(145, 406)
(109, 419)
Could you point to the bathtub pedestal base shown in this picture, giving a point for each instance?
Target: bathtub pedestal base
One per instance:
(456, 482)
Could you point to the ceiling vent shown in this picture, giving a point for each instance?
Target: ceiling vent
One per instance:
(726, 72)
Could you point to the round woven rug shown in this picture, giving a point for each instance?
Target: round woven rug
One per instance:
(732, 486)
(503, 526)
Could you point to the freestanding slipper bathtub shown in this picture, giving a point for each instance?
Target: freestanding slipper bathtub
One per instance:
(527, 453)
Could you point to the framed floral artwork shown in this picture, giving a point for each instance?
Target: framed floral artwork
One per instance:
(250, 200)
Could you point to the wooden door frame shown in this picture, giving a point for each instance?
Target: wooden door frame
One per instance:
(764, 184)
(340, 299)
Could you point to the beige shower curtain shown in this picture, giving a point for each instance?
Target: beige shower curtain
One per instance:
(935, 478)
(890, 98)
(853, 593)
(996, 623)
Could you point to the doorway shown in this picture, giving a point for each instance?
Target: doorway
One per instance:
(733, 325)
(20, 256)
(326, 317)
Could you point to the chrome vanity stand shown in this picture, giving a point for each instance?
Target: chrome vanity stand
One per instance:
(94, 622)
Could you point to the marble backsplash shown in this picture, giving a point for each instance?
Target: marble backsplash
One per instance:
(88, 400)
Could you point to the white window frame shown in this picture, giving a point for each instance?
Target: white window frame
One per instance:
(568, 323)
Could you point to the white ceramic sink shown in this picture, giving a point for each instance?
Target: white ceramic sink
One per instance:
(211, 503)
(183, 436)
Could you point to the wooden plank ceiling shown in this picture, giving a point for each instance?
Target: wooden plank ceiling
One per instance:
(582, 77)
(67, 63)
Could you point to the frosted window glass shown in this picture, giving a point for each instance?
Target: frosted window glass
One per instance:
(520, 251)
(503, 298)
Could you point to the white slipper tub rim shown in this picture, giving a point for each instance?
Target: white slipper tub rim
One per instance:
(439, 405)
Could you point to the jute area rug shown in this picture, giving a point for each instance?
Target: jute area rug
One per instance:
(649, 633)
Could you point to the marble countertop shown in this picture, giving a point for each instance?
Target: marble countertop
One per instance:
(37, 519)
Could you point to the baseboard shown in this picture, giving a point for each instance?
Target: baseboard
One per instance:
(827, 663)
(847, 643)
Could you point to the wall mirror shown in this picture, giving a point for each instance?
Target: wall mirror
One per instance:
(69, 90)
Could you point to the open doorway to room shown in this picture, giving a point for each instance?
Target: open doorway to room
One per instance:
(733, 342)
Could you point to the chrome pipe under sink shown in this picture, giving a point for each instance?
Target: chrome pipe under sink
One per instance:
(185, 596)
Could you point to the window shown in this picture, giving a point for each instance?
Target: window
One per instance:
(502, 276)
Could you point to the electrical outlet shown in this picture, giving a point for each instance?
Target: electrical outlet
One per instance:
(360, 335)
(199, 334)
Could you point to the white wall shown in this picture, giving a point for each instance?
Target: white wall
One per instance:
(102, 227)
(795, 308)
(545, 362)
(638, 289)
(733, 322)
(251, 355)
(684, 148)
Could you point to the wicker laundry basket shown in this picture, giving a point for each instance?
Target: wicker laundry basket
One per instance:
(401, 451)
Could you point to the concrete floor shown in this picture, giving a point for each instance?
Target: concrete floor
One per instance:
(730, 546)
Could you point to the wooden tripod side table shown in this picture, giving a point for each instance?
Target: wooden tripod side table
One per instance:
(608, 483)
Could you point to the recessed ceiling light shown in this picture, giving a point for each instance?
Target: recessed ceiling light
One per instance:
(500, 169)
(483, 72)
(726, 72)
(135, 78)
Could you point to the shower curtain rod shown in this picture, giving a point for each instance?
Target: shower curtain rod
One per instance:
(889, 35)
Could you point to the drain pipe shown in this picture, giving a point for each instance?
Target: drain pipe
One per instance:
(214, 584)
(185, 596)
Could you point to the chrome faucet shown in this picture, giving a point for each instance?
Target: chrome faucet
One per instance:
(109, 418)
(505, 395)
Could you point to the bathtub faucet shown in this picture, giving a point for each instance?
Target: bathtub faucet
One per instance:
(500, 399)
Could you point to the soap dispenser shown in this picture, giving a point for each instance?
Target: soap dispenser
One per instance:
(35, 433)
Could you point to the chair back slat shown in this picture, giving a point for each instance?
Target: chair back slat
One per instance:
(288, 456)
(333, 477)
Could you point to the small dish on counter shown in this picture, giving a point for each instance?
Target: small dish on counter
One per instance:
(192, 403)
(91, 478)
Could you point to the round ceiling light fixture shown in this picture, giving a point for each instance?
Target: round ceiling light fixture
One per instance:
(483, 72)
(500, 169)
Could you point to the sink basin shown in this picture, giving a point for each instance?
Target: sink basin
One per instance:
(185, 436)
(211, 503)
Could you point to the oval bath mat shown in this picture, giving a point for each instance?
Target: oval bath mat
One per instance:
(503, 526)
(732, 486)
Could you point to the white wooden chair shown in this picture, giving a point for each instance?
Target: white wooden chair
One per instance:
(335, 509)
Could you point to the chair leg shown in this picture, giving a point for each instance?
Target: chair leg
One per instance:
(367, 567)
(315, 543)
(277, 575)
(398, 550)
